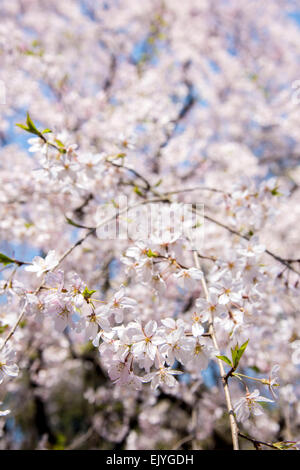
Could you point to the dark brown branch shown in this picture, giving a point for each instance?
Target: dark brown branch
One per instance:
(257, 443)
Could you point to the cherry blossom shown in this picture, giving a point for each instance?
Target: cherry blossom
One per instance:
(149, 224)
(250, 405)
(164, 376)
(7, 363)
(41, 265)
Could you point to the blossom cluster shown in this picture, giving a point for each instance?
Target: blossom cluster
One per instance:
(137, 337)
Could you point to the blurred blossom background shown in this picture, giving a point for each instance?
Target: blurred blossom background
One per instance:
(194, 92)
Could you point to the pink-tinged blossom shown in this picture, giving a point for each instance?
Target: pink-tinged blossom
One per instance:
(55, 279)
(41, 265)
(76, 288)
(127, 142)
(188, 278)
(164, 376)
(251, 248)
(61, 311)
(200, 353)
(232, 265)
(120, 303)
(121, 374)
(137, 131)
(91, 323)
(146, 341)
(35, 305)
(125, 340)
(171, 324)
(7, 363)
(37, 145)
(230, 321)
(198, 319)
(249, 404)
(176, 347)
(89, 162)
(228, 290)
(209, 307)
(138, 251)
(157, 284)
(273, 380)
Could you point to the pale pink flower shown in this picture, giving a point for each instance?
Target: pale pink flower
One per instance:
(146, 340)
(7, 363)
(249, 405)
(187, 278)
(163, 376)
(41, 265)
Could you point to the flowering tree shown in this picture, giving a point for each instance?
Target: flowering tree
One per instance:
(149, 208)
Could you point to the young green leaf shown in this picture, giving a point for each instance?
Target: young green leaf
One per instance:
(233, 355)
(31, 126)
(284, 445)
(237, 353)
(5, 259)
(241, 350)
(59, 143)
(225, 359)
(151, 254)
(71, 222)
(137, 190)
(3, 328)
(22, 126)
(87, 294)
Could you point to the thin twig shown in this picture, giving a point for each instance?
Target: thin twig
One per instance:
(183, 441)
(285, 262)
(79, 242)
(232, 420)
(257, 443)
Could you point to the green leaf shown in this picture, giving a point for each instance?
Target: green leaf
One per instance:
(284, 445)
(5, 259)
(87, 294)
(60, 442)
(158, 183)
(241, 350)
(71, 222)
(28, 224)
(60, 146)
(237, 353)
(31, 126)
(255, 369)
(137, 190)
(46, 131)
(225, 359)
(275, 192)
(151, 254)
(22, 126)
(3, 328)
(233, 355)
(59, 143)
